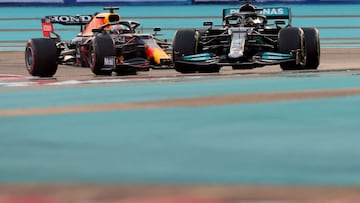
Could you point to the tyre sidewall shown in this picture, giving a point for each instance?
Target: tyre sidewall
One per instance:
(312, 43)
(29, 50)
(292, 38)
(44, 57)
(101, 46)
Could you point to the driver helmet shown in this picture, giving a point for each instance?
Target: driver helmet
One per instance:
(119, 29)
(251, 21)
(247, 8)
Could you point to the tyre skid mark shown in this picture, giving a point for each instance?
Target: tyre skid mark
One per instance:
(54, 82)
(11, 77)
(149, 193)
(205, 101)
(36, 81)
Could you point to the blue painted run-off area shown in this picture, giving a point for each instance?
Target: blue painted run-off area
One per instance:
(311, 142)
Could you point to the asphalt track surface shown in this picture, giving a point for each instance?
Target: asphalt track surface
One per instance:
(340, 62)
(332, 59)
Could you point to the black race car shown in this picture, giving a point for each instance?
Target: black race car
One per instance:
(249, 37)
(105, 43)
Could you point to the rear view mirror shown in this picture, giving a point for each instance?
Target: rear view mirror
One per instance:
(96, 30)
(208, 23)
(280, 22)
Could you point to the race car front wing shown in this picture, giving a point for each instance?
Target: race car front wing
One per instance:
(258, 60)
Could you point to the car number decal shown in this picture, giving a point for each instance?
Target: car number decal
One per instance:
(109, 61)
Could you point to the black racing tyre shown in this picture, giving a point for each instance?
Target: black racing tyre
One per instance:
(102, 45)
(41, 57)
(184, 43)
(312, 44)
(292, 38)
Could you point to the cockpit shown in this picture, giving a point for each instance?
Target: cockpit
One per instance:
(255, 20)
(244, 19)
(121, 29)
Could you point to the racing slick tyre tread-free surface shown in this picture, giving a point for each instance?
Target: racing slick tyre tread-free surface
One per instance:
(292, 38)
(101, 46)
(184, 44)
(312, 44)
(41, 57)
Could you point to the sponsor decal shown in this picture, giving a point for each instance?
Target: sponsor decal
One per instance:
(69, 19)
(109, 61)
(228, 11)
(119, 39)
(272, 11)
(269, 11)
(233, 10)
(278, 11)
(47, 27)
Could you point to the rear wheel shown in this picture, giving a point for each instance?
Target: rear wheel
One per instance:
(41, 57)
(312, 44)
(291, 39)
(102, 46)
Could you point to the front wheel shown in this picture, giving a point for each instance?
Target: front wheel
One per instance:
(101, 47)
(292, 39)
(184, 44)
(41, 57)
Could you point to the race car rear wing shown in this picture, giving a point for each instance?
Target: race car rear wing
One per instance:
(48, 21)
(271, 13)
(69, 20)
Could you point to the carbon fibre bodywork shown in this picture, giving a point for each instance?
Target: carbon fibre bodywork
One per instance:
(105, 43)
(246, 39)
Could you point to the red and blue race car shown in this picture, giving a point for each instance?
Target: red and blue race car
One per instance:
(105, 43)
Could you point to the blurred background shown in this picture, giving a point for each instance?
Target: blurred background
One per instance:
(241, 153)
(20, 19)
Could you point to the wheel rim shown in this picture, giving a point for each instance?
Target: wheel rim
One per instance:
(92, 55)
(29, 58)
